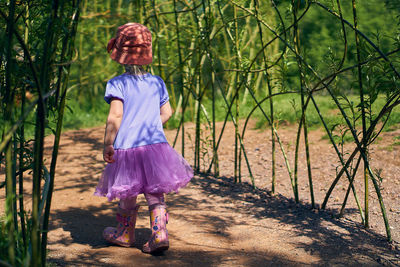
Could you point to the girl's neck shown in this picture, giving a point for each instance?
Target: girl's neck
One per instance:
(135, 70)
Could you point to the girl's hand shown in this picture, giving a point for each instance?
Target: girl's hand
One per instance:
(108, 153)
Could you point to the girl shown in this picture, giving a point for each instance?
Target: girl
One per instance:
(139, 158)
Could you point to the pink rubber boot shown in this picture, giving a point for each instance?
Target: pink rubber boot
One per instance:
(159, 234)
(124, 233)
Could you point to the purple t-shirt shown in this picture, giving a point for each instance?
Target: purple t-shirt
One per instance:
(142, 96)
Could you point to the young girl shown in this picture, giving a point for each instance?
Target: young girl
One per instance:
(139, 158)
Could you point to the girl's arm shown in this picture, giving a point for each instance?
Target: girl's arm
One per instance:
(165, 112)
(113, 122)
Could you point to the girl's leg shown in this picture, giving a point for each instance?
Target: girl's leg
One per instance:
(128, 204)
(154, 199)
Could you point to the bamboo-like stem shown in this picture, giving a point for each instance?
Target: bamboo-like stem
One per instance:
(303, 118)
(363, 115)
(21, 173)
(66, 54)
(140, 7)
(180, 80)
(197, 80)
(39, 137)
(14, 188)
(307, 148)
(215, 151)
(160, 69)
(303, 108)
(198, 125)
(37, 174)
(237, 148)
(296, 158)
(233, 84)
(271, 103)
(237, 170)
(8, 98)
(21, 147)
(10, 197)
(213, 90)
(349, 187)
(380, 199)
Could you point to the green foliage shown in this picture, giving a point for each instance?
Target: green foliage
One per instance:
(35, 55)
(22, 257)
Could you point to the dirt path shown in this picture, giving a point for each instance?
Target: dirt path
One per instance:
(214, 222)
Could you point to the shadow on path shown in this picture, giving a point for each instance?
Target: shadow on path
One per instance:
(333, 241)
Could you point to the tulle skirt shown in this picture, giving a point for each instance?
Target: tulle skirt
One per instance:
(155, 168)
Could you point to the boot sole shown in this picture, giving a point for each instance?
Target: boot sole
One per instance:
(126, 245)
(160, 248)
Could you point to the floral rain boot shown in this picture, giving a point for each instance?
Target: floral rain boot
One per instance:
(124, 233)
(159, 234)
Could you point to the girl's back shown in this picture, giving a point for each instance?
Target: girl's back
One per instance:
(143, 95)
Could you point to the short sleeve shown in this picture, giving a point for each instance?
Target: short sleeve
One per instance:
(164, 97)
(112, 92)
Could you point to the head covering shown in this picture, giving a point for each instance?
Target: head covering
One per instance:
(132, 45)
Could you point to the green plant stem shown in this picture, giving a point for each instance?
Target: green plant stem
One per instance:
(237, 169)
(21, 174)
(349, 187)
(271, 103)
(363, 115)
(66, 54)
(37, 175)
(180, 81)
(8, 100)
(39, 137)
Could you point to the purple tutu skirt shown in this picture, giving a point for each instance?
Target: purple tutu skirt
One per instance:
(155, 168)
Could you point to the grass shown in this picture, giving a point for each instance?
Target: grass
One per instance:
(76, 116)
(396, 141)
(286, 110)
(86, 114)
